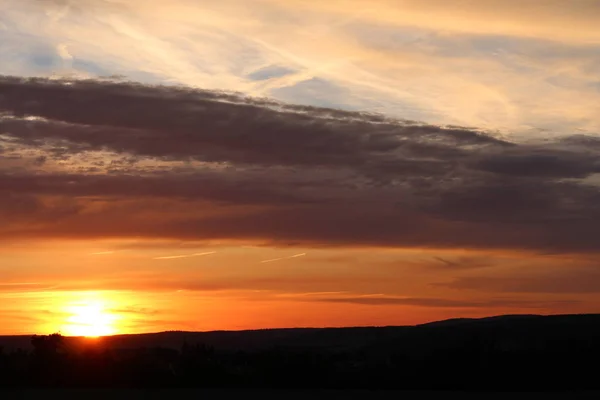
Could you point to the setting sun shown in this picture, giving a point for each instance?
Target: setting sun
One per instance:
(89, 318)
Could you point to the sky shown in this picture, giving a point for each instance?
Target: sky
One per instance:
(202, 165)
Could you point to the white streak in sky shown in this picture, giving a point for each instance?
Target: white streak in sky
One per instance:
(185, 255)
(284, 258)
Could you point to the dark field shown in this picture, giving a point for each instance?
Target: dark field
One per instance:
(508, 353)
(177, 394)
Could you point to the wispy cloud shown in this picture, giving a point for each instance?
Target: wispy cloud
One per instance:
(450, 303)
(284, 258)
(26, 288)
(22, 283)
(431, 60)
(184, 255)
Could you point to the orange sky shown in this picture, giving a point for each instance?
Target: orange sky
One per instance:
(139, 286)
(199, 165)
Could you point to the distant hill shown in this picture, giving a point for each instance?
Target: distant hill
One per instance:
(510, 352)
(504, 330)
(503, 318)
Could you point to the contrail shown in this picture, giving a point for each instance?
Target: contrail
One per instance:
(22, 284)
(284, 258)
(101, 253)
(185, 255)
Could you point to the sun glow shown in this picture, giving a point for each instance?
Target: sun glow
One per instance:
(90, 318)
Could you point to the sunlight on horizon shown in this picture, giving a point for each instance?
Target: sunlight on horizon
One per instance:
(91, 317)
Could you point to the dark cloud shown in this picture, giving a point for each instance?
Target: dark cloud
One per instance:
(529, 202)
(557, 164)
(223, 186)
(125, 159)
(178, 123)
(439, 302)
(568, 280)
(461, 263)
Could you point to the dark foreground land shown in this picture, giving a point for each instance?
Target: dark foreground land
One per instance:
(527, 354)
(207, 394)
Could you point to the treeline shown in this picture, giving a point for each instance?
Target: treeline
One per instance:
(446, 359)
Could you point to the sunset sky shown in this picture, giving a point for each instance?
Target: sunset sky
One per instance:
(236, 164)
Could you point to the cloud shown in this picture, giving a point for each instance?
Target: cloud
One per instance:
(144, 311)
(439, 302)
(184, 255)
(18, 284)
(460, 263)
(25, 287)
(284, 258)
(485, 63)
(63, 51)
(207, 165)
(217, 127)
(533, 18)
(553, 164)
(566, 280)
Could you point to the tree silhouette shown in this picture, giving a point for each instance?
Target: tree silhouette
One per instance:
(48, 360)
(47, 346)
